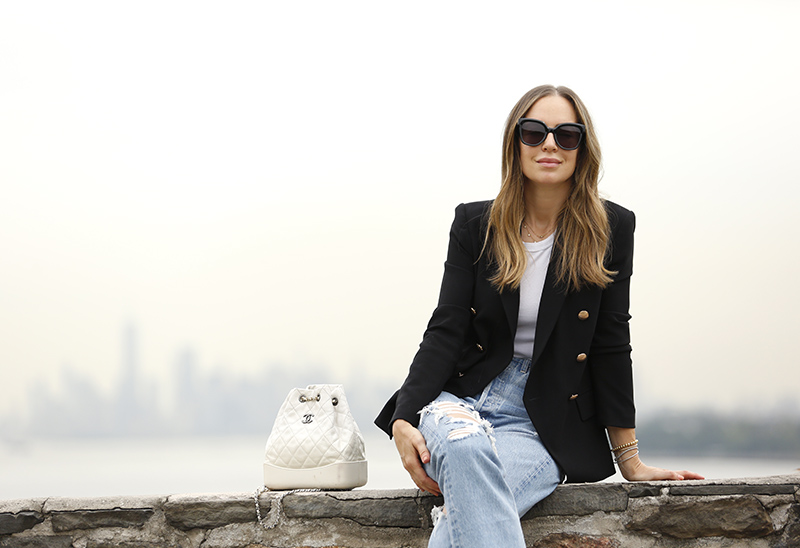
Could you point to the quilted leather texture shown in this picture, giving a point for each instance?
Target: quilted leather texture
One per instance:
(311, 431)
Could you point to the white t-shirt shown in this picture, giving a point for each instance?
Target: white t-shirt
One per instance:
(530, 295)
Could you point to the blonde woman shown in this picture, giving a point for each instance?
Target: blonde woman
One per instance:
(523, 378)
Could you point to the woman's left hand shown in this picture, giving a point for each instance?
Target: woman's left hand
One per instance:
(626, 450)
(635, 470)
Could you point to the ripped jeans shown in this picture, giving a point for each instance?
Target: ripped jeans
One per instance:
(489, 462)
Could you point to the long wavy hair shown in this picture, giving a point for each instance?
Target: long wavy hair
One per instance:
(582, 226)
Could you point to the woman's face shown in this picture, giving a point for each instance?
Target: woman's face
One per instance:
(547, 164)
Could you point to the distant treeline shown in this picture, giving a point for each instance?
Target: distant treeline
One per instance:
(702, 433)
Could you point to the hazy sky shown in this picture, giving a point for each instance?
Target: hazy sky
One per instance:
(274, 182)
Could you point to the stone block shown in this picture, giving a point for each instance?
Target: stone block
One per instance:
(581, 500)
(91, 543)
(355, 494)
(15, 506)
(209, 511)
(44, 541)
(93, 519)
(638, 490)
(14, 523)
(730, 489)
(739, 517)
(63, 504)
(426, 504)
(790, 535)
(570, 540)
(394, 512)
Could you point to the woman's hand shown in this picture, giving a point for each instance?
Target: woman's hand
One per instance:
(635, 470)
(626, 451)
(413, 453)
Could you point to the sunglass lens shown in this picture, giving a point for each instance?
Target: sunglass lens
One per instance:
(532, 133)
(568, 137)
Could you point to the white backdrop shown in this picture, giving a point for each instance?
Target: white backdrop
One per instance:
(274, 181)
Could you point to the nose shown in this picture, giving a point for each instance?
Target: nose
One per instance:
(549, 142)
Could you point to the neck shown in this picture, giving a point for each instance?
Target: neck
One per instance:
(544, 203)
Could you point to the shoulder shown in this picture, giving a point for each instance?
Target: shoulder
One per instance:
(473, 213)
(475, 210)
(469, 225)
(619, 217)
(622, 223)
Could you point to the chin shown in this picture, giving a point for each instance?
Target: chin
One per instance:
(551, 181)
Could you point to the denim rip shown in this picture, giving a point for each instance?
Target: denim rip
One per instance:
(473, 423)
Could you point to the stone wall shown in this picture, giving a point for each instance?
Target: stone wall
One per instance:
(759, 513)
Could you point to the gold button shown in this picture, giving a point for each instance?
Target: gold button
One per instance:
(583, 315)
(473, 311)
(574, 396)
(479, 347)
(581, 357)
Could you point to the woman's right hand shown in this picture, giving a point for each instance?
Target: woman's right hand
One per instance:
(414, 453)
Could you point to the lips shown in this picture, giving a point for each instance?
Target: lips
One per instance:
(548, 162)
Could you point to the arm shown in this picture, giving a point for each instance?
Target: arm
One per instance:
(612, 371)
(630, 465)
(442, 343)
(610, 353)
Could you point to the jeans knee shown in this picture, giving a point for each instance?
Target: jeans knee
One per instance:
(466, 427)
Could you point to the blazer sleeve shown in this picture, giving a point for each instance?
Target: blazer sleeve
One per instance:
(435, 361)
(611, 366)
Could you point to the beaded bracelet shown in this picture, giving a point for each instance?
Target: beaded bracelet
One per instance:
(625, 445)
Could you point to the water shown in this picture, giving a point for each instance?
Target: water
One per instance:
(110, 467)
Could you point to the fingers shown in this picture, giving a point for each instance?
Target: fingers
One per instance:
(650, 473)
(422, 449)
(424, 482)
(413, 465)
(691, 475)
(672, 475)
(421, 479)
(679, 475)
(685, 475)
(660, 474)
(413, 454)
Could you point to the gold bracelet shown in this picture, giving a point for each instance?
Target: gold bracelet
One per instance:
(625, 445)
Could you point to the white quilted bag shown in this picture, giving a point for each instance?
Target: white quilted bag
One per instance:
(315, 442)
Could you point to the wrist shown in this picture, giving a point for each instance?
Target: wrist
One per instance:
(621, 446)
(398, 425)
(626, 457)
(629, 467)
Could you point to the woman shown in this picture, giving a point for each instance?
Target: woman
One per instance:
(524, 372)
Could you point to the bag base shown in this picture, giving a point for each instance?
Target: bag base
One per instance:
(340, 475)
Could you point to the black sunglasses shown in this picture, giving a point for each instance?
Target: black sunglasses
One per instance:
(533, 132)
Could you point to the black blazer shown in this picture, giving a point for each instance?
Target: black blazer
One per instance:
(581, 378)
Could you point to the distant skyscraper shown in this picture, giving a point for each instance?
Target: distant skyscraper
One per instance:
(127, 399)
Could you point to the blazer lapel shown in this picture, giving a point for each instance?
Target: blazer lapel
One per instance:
(549, 308)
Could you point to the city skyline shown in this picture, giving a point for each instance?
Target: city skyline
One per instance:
(193, 401)
(212, 401)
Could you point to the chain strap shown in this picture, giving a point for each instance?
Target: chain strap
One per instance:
(275, 506)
